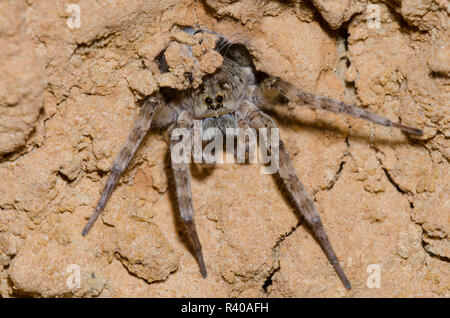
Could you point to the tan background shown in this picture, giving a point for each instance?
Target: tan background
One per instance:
(68, 99)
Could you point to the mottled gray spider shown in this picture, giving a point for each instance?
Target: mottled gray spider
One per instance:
(231, 97)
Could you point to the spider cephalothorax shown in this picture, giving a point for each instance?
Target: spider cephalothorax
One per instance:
(231, 97)
(219, 93)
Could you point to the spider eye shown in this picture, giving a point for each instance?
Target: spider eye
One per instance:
(219, 98)
(208, 101)
(223, 85)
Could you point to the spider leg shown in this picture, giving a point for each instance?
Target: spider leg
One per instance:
(257, 119)
(141, 126)
(182, 178)
(244, 126)
(273, 86)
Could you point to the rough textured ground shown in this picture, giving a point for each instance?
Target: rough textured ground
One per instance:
(68, 97)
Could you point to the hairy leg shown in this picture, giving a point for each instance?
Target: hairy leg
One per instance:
(182, 178)
(243, 125)
(302, 199)
(273, 86)
(140, 129)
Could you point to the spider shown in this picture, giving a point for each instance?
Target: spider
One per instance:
(231, 97)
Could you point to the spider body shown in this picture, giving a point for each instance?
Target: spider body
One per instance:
(222, 92)
(231, 97)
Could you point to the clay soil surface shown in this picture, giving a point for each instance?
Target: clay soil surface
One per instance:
(70, 90)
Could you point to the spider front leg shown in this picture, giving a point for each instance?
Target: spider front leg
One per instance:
(141, 126)
(182, 178)
(273, 86)
(302, 199)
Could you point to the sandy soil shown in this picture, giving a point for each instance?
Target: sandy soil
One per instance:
(69, 94)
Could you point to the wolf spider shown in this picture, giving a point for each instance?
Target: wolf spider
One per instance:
(231, 97)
